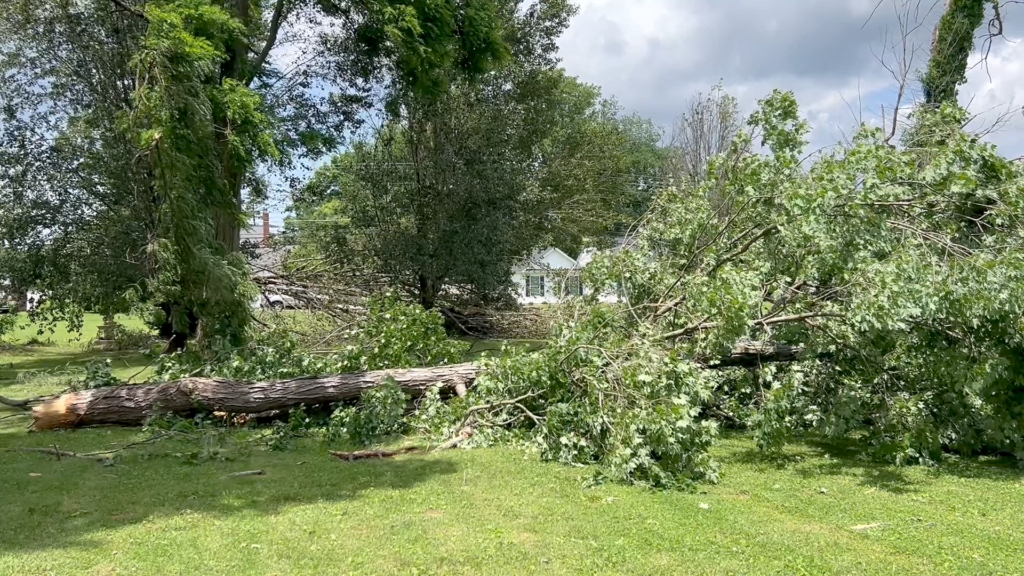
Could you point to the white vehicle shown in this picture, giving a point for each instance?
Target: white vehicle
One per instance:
(34, 300)
(276, 301)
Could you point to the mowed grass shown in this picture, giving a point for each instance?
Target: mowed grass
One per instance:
(821, 510)
(494, 511)
(33, 354)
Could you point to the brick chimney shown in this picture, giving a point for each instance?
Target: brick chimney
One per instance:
(266, 228)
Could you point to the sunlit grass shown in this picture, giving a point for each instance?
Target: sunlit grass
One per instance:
(820, 510)
(38, 360)
(494, 511)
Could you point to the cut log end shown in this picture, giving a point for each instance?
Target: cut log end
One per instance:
(56, 413)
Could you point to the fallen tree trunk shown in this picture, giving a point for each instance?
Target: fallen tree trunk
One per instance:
(749, 354)
(130, 405)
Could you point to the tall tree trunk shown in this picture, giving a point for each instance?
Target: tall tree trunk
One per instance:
(227, 217)
(952, 43)
(428, 292)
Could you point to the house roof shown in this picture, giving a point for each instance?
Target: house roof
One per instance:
(587, 256)
(269, 261)
(539, 260)
(536, 261)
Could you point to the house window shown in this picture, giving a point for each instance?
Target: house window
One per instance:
(535, 286)
(573, 286)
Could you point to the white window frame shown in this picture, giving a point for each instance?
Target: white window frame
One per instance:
(530, 278)
(573, 285)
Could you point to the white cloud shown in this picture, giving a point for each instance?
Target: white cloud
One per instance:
(654, 54)
(993, 92)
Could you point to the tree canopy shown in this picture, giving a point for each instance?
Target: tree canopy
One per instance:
(456, 188)
(135, 126)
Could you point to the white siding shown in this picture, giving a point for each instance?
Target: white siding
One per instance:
(551, 265)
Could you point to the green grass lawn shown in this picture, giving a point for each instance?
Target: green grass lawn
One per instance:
(483, 512)
(494, 511)
(31, 356)
(60, 336)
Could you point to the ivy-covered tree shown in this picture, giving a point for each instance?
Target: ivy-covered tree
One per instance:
(155, 114)
(952, 43)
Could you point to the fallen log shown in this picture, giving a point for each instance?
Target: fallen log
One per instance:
(131, 405)
(750, 354)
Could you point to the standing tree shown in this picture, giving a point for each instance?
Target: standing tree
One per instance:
(159, 111)
(705, 129)
(454, 191)
(952, 43)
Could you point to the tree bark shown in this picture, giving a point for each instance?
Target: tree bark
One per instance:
(749, 354)
(428, 292)
(131, 405)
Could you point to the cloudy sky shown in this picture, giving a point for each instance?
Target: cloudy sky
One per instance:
(654, 54)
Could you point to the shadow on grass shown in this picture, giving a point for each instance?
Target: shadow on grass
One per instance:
(817, 457)
(52, 505)
(28, 360)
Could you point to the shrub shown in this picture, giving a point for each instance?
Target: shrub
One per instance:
(379, 413)
(592, 397)
(7, 323)
(393, 334)
(132, 339)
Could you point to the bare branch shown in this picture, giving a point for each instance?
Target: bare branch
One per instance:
(770, 230)
(764, 322)
(275, 25)
(130, 9)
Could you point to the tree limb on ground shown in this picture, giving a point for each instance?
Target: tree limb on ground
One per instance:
(760, 322)
(105, 457)
(25, 404)
(749, 354)
(131, 405)
(465, 434)
(101, 457)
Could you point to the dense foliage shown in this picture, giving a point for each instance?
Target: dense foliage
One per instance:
(454, 189)
(135, 128)
(393, 334)
(379, 413)
(853, 299)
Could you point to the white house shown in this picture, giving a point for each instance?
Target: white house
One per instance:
(546, 277)
(551, 275)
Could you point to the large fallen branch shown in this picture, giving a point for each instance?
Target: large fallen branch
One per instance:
(131, 405)
(749, 354)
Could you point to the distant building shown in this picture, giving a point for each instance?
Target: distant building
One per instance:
(550, 275)
(266, 262)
